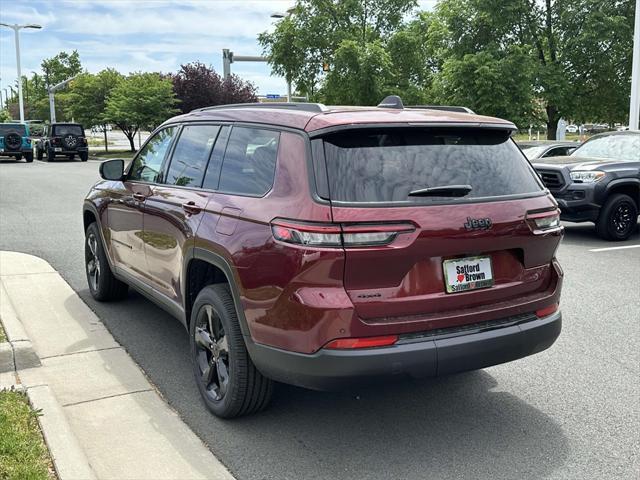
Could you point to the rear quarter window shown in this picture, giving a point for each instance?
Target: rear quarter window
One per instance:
(385, 165)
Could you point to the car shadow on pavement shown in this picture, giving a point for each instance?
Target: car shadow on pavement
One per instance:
(451, 427)
(460, 426)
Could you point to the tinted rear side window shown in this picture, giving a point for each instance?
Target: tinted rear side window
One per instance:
(249, 162)
(191, 154)
(378, 165)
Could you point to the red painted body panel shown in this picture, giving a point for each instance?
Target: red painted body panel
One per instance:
(299, 298)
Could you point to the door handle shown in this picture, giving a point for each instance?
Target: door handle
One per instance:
(139, 197)
(191, 208)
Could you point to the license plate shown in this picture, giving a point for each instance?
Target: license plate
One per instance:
(470, 273)
(57, 149)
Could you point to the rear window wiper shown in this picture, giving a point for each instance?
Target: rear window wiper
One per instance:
(442, 191)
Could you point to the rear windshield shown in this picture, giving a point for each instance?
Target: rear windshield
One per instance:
(62, 130)
(385, 165)
(8, 128)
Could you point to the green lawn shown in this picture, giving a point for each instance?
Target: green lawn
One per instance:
(524, 137)
(3, 336)
(102, 155)
(23, 454)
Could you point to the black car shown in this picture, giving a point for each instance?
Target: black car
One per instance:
(63, 139)
(599, 182)
(547, 148)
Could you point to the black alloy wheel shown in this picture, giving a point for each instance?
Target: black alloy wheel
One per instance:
(212, 354)
(618, 218)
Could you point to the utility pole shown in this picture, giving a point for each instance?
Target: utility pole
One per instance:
(52, 100)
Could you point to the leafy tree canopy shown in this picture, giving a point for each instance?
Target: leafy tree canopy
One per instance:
(197, 86)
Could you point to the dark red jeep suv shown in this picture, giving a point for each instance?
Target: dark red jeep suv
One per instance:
(318, 246)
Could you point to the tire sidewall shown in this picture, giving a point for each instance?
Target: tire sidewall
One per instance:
(210, 296)
(100, 293)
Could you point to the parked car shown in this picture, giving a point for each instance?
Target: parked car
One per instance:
(599, 182)
(15, 141)
(546, 148)
(572, 129)
(63, 139)
(323, 246)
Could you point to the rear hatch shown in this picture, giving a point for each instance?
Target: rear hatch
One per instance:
(458, 207)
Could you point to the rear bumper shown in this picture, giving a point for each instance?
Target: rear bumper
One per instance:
(441, 355)
(62, 151)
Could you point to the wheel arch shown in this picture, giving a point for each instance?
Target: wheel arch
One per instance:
(202, 268)
(627, 186)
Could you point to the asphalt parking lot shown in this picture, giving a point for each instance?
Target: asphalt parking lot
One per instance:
(571, 412)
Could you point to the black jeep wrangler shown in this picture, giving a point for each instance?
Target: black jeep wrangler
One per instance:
(63, 139)
(598, 182)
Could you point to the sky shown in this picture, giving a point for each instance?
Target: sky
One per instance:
(142, 35)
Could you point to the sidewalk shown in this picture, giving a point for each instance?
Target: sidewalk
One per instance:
(101, 416)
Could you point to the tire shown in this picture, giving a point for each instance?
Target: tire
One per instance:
(103, 285)
(39, 154)
(28, 156)
(618, 218)
(51, 155)
(245, 390)
(84, 156)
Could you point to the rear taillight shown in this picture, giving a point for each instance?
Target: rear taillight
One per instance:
(337, 235)
(365, 342)
(545, 221)
(546, 311)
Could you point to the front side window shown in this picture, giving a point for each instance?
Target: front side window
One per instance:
(425, 165)
(191, 155)
(249, 163)
(148, 164)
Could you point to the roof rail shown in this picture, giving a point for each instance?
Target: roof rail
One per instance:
(445, 108)
(302, 106)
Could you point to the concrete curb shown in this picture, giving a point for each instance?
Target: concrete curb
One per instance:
(68, 457)
(18, 352)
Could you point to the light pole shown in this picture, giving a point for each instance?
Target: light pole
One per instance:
(280, 16)
(634, 104)
(16, 28)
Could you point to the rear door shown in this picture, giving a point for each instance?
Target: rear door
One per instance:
(174, 209)
(452, 250)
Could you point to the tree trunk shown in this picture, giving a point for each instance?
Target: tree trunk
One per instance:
(131, 136)
(106, 148)
(552, 121)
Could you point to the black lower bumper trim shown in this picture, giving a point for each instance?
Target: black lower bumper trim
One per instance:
(339, 369)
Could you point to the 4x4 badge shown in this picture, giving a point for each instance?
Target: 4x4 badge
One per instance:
(478, 223)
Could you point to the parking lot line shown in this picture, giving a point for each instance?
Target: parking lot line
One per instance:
(613, 248)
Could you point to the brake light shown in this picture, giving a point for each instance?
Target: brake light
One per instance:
(541, 222)
(546, 311)
(366, 342)
(337, 235)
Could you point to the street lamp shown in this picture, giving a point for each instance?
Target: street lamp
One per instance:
(280, 16)
(16, 28)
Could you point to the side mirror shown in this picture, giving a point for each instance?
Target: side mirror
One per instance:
(112, 169)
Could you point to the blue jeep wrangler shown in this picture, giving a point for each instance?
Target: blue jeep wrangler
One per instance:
(15, 141)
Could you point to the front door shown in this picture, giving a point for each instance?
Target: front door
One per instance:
(125, 212)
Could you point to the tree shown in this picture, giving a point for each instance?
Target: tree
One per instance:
(197, 86)
(141, 100)
(359, 75)
(88, 98)
(5, 116)
(316, 29)
(60, 67)
(581, 51)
